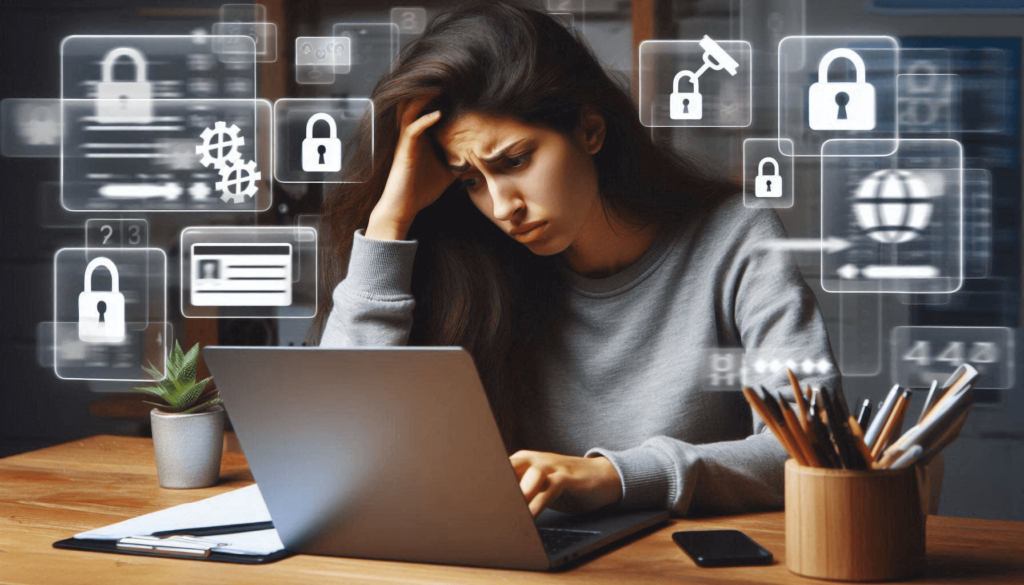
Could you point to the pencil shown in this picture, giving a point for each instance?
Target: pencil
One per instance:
(769, 421)
(826, 451)
(898, 411)
(928, 401)
(800, 402)
(858, 440)
(802, 442)
(780, 419)
(834, 423)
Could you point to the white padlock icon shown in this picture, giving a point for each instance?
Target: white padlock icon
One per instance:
(124, 101)
(101, 313)
(321, 155)
(768, 185)
(842, 105)
(683, 105)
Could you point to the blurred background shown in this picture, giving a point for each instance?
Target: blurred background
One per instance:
(957, 78)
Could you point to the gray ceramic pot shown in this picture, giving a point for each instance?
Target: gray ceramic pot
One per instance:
(188, 447)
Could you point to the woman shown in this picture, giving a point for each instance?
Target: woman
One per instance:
(516, 207)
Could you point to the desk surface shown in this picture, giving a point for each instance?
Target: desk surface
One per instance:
(54, 493)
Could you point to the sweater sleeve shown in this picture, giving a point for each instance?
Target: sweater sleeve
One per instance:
(764, 303)
(373, 304)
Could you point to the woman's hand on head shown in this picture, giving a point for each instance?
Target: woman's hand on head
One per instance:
(573, 485)
(417, 178)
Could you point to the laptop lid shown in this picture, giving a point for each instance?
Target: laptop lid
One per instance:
(378, 453)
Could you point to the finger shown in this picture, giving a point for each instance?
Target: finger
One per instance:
(532, 482)
(409, 110)
(413, 131)
(521, 460)
(544, 498)
(409, 143)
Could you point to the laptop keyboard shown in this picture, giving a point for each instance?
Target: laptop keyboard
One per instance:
(558, 539)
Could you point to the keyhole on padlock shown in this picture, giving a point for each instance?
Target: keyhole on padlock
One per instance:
(101, 307)
(323, 151)
(842, 98)
(686, 106)
(769, 184)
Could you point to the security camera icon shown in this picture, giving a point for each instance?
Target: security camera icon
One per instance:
(716, 58)
(689, 105)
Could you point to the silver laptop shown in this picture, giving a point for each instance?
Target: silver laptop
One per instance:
(393, 453)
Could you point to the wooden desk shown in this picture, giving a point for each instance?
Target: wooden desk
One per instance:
(54, 493)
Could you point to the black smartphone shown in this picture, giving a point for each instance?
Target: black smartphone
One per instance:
(721, 548)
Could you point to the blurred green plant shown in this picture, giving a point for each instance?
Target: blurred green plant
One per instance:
(180, 391)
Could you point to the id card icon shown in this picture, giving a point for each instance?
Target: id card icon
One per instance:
(241, 275)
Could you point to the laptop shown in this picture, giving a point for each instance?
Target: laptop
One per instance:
(393, 454)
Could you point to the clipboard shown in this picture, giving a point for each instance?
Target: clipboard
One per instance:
(237, 521)
(110, 546)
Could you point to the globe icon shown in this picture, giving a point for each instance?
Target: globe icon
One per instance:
(893, 206)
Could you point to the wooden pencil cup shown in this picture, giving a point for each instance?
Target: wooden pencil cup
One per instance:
(855, 525)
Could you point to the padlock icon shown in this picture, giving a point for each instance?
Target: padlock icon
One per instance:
(685, 106)
(101, 313)
(321, 155)
(128, 102)
(841, 105)
(768, 185)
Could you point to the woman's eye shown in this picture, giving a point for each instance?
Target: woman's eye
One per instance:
(517, 161)
(469, 183)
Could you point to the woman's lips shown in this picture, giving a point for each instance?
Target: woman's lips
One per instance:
(530, 233)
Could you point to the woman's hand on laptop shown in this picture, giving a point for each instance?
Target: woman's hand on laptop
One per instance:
(564, 483)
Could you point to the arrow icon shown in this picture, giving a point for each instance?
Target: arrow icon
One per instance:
(831, 245)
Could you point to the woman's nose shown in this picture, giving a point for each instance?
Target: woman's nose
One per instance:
(505, 200)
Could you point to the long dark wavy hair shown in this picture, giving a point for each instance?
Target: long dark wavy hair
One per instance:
(474, 286)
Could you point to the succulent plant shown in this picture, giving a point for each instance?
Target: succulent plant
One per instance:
(179, 389)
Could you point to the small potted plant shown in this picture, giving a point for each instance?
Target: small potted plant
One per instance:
(188, 427)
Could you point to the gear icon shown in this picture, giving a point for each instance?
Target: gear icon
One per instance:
(225, 150)
(234, 176)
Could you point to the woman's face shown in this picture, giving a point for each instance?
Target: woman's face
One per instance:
(538, 185)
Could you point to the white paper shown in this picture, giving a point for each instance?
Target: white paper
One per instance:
(241, 506)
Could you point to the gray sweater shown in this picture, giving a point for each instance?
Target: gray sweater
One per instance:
(621, 372)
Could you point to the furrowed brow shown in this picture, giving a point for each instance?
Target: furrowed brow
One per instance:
(489, 160)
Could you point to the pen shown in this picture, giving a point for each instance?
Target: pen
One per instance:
(930, 432)
(769, 421)
(896, 418)
(215, 530)
(865, 414)
(799, 397)
(780, 420)
(908, 457)
(802, 442)
(178, 545)
(871, 434)
(924, 453)
(942, 442)
(961, 381)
